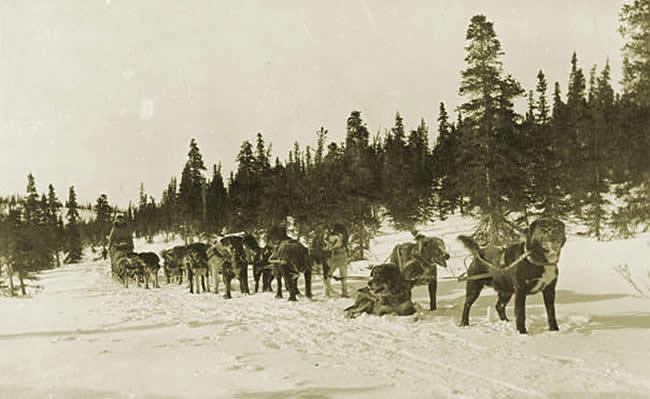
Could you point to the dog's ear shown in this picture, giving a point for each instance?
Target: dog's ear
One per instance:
(469, 243)
(530, 230)
(562, 228)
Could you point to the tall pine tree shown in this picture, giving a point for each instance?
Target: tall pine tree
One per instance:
(103, 217)
(191, 192)
(489, 150)
(73, 247)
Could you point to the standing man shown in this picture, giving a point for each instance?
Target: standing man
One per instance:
(120, 238)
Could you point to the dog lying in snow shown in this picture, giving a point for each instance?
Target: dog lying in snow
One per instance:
(419, 262)
(387, 293)
(521, 269)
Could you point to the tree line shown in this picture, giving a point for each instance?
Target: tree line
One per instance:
(579, 152)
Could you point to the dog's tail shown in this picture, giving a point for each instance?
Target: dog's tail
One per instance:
(469, 243)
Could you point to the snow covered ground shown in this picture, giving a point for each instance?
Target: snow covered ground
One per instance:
(82, 335)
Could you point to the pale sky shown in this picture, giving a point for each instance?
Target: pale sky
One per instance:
(105, 94)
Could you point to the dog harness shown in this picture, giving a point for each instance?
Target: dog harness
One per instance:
(527, 255)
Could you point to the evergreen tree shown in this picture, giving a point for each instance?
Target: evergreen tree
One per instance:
(277, 202)
(491, 177)
(218, 205)
(73, 247)
(9, 219)
(445, 164)
(419, 157)
(546, 166)
(542, 116)
(635, 29)
(530, 113)
(359, 183)
(558, 104)
(632, 168)
(244, 190)
(318, 190)
(54, 206)
(598, 149)
(191, 192)
(320, 146)
(29, 244)
(169, 208)
(103, 218)
(397, 178)
(576, 135)
(31, 208)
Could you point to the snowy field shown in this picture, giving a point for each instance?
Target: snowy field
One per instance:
(82, 335)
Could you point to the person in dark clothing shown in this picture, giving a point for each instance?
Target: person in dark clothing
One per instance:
(120, 239)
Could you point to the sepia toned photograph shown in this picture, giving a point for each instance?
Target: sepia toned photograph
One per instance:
(324, 199)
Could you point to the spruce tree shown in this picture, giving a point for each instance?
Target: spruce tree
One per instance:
(635, 29)
(531, 111)
(492, 176)
(359, 183)
(419, 158)
(445, 164)
(397, 177)
(546, 167)
(218, 206)
(169, 208)
(632, 168)
(598, 149)
(103, 218)
(29, 250)
(31, 208)
(277, 201)
(191, 194)
(73, 247)
(542, 116)
(576, 135)
(243, 191)
(54, 206)
(320, 146)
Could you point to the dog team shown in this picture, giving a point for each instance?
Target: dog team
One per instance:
(518, 270)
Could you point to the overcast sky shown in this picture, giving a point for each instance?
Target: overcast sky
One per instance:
(105, 94)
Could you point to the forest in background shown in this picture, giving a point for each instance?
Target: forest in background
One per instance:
(581, 152)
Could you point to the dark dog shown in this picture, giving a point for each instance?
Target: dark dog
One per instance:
(130, 266)
(317, 250)
(173, 266)
(239, 260)
(387, 293)
(151, 267)
(258, 257)
(520, 269)
(419, 263)
(195, 261)
(262, 269)
(118, 251)
(291, 259)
